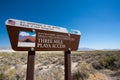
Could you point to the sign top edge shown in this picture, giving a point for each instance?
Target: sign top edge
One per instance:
(34, 25)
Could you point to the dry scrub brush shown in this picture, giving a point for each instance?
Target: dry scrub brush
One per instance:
(82, 71)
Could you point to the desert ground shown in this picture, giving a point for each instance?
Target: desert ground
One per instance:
(86, 65)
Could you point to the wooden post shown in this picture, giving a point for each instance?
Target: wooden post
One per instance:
(67, 57)
(30, 65)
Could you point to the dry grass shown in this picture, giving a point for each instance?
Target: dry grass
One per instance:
(50, 65)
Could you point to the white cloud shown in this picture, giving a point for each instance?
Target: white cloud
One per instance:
(33, 35)
(24, 34)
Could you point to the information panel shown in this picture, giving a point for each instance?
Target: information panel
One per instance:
(25, 35)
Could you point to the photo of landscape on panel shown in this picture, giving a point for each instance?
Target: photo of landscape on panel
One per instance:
(26, 39)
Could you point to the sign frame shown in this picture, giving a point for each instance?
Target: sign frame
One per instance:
(50, 38)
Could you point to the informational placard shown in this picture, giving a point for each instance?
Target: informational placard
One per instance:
(25, 35)
(26, 39)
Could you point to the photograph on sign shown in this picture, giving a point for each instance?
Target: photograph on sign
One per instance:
(26, 39)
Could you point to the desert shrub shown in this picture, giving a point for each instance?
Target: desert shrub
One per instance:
(117, 64)
(2, 76)
(109, 61)
(57, 73)
(97, 65)
(20, 72)
(11, 74)
(3, 68)
(53, 73)
(82, 72)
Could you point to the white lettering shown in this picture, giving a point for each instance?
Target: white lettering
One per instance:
(45, 40)
(58, 41)
(43, 45)
(58, 46)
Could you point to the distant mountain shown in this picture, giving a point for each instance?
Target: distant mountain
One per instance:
(86, 49)
(5, 48)
(27, 39)
(110, 49)
(90, 49)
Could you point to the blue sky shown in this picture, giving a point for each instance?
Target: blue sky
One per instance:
(98, 20)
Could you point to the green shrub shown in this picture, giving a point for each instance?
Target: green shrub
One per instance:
(109, 61)
(96, 65)
(2, 76)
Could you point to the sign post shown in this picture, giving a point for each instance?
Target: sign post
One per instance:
(30, 36)
(67, 60)
(30, 65)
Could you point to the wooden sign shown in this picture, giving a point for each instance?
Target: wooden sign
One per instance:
(25, 35)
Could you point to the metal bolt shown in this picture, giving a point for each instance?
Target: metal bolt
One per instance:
(33, 30)
(32, 49)
(69, 49)
(69, 34)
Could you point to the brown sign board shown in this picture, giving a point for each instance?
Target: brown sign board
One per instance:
(25, 35)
